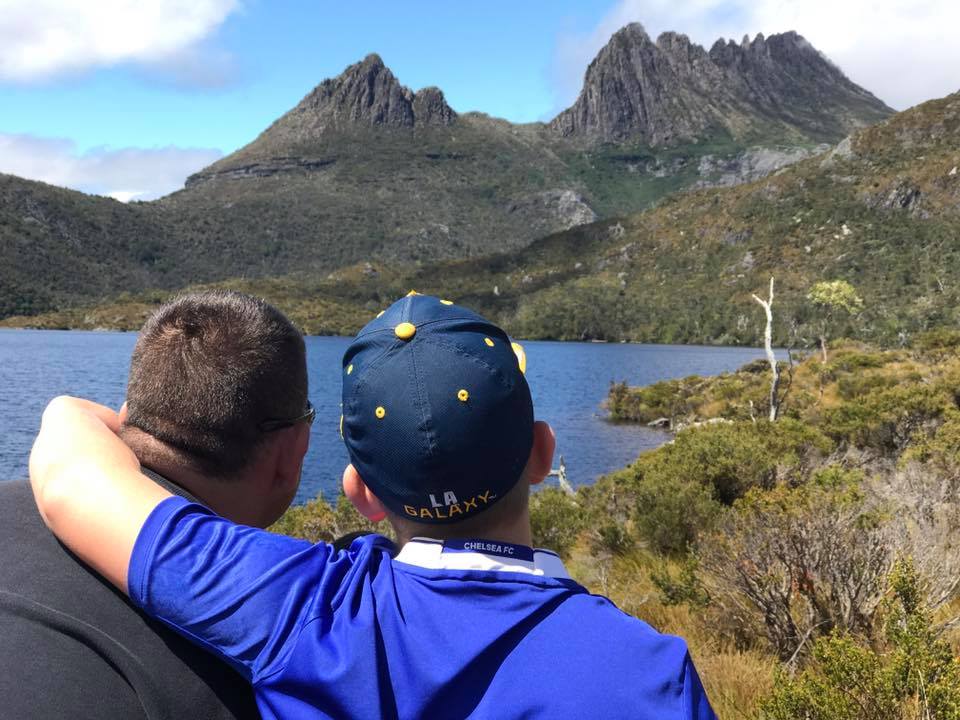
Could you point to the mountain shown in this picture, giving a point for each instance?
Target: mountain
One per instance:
(364, 169)
(881, 209)
(672, 91)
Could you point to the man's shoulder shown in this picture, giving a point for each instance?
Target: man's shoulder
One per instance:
(53, 604)
(19, 518)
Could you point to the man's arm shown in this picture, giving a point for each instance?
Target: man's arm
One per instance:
(88, 486)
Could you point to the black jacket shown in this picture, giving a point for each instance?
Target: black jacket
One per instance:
(71, 646)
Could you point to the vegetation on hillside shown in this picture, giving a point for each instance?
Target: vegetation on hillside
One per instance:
(880, 212)
(811, 563)
(394, 197)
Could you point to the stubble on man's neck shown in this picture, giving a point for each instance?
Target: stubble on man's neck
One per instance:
(168, 462)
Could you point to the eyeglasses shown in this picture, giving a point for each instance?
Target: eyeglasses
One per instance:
(271, 425)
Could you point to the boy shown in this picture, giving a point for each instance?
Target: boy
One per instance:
(466, 620)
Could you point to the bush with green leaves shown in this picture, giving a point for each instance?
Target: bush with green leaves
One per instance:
(887, 418)
(680, 586)
(910, 673)
(317, 521)
(940, 450)
(681, 487)
(556, 520)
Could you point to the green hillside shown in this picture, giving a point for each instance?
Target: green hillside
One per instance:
(881, 210)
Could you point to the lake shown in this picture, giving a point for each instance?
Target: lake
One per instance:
(568, 380)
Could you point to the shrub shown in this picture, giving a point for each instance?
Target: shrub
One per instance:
(912, 674)
(939, 339)
(681, 487)
(556, 520)
(313, 521)
(680, 587)
(887, 418)
(611, 537)
(789, 563)
(672, 513)
(316, 521)
(942, 449)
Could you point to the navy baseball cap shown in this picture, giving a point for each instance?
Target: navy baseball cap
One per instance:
(437, 415)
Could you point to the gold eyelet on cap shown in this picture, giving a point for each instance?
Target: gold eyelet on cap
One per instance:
(521, 356)
(488, 341)
(405, 330)
(380, 412)
(349, 368)
(463, 396)
(446, 302)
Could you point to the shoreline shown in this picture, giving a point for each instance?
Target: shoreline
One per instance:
(634, 343)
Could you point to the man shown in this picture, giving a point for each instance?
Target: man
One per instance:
(216, 409)
(466, 620)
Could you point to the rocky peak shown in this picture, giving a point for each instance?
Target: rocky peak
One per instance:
(674, 90)
(636, 88)
(430, 108)
(368, 94)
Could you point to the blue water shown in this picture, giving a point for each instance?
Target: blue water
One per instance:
(568, 380)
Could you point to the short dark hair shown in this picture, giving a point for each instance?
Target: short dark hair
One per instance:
(207, 369)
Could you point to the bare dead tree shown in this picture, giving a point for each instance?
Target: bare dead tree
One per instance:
(767, 306)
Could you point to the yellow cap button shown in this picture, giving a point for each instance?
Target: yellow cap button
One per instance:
(446, 302)
(349, 368)
(412, 293)
(488, 341)
(380, 412)
(521, 356)
(405, 331)
(463, 396)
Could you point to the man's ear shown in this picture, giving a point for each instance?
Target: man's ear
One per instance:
(294, 442)
(541, 454)
(362, 497)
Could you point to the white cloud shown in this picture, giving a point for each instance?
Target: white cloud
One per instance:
(125, 174)
(903, 51)
(40, 39)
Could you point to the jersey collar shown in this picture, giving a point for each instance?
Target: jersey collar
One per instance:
(487, 555)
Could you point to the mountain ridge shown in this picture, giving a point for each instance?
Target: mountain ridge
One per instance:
(881, 209)
(672, 89)
(362, 169)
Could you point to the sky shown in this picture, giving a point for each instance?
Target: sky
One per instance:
(128, 97)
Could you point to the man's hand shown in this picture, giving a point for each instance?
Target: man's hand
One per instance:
(88, 486)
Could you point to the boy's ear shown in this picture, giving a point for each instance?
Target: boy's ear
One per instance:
(541, 454)
(363, 499)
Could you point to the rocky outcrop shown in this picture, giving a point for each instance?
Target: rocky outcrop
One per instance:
(673, 90)
(566, 207)
(430, 108)
(277, 166)
(653, 92)
(753, 164)
(366, 94)
(785, 78)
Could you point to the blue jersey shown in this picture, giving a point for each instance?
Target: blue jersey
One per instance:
(461, 629)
